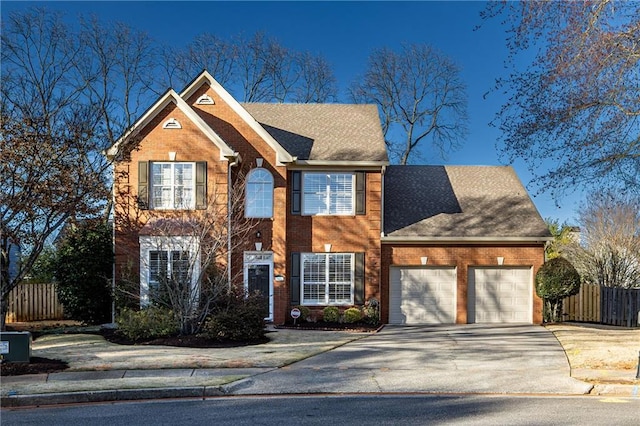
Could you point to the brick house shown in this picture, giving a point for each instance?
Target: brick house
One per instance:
(331, 222)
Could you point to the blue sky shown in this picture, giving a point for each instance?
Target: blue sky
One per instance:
(345, 33)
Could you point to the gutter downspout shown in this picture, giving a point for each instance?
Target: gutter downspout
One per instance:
(235, 162)
(113, 245)
(383, 171)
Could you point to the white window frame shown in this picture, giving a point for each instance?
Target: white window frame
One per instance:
(265, 189)
(327, 193)
(172, 186)
(325, 282)
(150, 244)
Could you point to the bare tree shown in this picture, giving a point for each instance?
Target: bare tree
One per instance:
(573, 110)
(189, 256)
(206, 51)
(610, 255)
(58, 112)
(317, 82)
(256, 68)
(421, 98)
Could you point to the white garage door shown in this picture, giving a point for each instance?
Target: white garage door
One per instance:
(500, 295)
(422, 295)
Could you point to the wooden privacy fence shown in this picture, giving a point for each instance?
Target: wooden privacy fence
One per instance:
(604, 305)
(34, 302)
(584, 306)
(620, 306)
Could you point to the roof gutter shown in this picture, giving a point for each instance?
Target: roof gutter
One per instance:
(465, 240)
(374, 165)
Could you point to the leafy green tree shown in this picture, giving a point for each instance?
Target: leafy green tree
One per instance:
(556, 280)
(562, 238)
(83, 270)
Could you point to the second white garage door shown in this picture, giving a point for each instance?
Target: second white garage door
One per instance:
(500, 295)
(422, 295)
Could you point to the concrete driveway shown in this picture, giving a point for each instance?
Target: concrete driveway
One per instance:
(454, 358)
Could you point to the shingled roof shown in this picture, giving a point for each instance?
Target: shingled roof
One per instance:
(324, 132)
(459, 203)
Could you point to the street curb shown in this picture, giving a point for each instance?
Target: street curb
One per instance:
(109, 396)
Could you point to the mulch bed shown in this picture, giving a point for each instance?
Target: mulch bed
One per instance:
(331, 326)
(36, 365)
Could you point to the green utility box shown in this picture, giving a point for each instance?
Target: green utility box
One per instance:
(15, 346)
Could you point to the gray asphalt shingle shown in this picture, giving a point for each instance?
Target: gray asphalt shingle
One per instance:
(459, 202)
(326, 132)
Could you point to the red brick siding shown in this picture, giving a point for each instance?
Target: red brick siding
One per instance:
(462, 257)
(359, 233)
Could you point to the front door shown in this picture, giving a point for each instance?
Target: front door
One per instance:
(258, 273)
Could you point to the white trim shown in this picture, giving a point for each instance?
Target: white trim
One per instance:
(340, 163)
(466, 240)
(303, 193)
(251, 258)
(172, 97)
(282, 156)
(173, 164)
(172, 123)
(164, 243)
(246, 193)
(205, 100)
(326, 282)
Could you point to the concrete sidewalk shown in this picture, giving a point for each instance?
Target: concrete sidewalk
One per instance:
(398, 359)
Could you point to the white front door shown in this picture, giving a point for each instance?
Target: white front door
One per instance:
(258, 276)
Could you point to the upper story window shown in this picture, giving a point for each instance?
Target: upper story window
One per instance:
(173, 185)
(259, 194)
(328, 193)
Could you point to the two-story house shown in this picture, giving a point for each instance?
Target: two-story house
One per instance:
(331, 223)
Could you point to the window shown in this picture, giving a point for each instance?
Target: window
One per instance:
(168, 265)
(328, 194)
(160, 269)
(259, 194)
(172, 185)
(327, 278)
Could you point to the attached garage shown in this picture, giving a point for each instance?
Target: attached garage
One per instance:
(422, 295)
(500, 295)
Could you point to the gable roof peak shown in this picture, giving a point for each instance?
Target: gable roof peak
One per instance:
(282, 155)
(171, 96)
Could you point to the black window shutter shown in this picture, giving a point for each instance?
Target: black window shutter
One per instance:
(361, 179)
(358, 290)
(201, 185)
(294, 279)
(296, 192)
(143, 185)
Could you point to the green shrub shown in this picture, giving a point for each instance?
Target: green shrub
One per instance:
(331, 314)
(352, 315)
(82, 269)
(304, 313)
(237, 318)
(556, 280)
(148, 323)
(371, 311)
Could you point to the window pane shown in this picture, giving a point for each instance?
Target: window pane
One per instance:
(158, 263)
(327, 278)
(180, 267)
(173, 185)
(328, 193)
(259, 194)
(341, 192)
